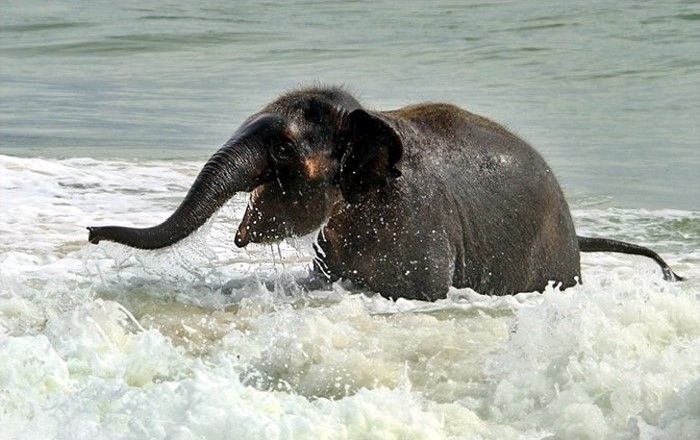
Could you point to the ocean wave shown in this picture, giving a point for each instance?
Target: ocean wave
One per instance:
(204, 340)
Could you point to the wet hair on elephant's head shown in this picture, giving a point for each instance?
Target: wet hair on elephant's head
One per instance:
(369, 160)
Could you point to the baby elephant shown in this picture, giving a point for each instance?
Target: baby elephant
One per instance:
(409, 202)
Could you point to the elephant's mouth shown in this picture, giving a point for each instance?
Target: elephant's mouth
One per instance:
(246, 234)
(274, 213)
(242, 235)
(253, 231)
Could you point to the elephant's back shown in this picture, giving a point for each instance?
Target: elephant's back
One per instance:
(444, 118)
(458, 145)
(446, 128)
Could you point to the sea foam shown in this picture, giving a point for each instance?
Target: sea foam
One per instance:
(206, 341)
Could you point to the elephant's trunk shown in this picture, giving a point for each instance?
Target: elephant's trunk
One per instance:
(240, 165)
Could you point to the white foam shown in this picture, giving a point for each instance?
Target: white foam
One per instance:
(194, 342)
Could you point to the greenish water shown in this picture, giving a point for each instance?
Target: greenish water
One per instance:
(609, 92)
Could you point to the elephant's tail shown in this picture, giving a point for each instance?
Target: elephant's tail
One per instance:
(589, 244)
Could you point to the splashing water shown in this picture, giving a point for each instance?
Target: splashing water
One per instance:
(204, 340)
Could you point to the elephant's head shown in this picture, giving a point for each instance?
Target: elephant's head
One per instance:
(289, 157)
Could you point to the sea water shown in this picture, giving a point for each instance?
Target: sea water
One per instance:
(108, 112)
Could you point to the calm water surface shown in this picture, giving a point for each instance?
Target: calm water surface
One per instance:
(609, 92)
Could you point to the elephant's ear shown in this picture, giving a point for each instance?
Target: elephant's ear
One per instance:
(374, 148)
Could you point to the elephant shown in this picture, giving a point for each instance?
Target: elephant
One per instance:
(407, 202)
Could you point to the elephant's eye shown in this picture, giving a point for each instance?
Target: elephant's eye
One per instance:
(284, 152)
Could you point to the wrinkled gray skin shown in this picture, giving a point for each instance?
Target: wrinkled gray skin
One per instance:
(409, 202)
